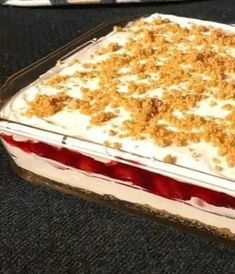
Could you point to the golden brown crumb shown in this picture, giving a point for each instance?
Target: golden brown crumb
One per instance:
(117, 145)
(112, 132)
(102, 117)
(113, 47)
(55, 80)
(169, 159)
(228, 107)
(45, 105)
(73, 103)
(117, 28)
(107, 143)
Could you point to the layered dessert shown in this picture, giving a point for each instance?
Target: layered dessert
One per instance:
(153, 103)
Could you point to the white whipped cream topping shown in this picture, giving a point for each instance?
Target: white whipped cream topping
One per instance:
(76, 124)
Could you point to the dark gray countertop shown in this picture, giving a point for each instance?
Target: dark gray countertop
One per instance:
(44, 231)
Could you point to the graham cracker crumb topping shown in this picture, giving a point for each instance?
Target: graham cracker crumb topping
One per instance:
(115, 145)
(45, 105)
(169, 159)
(102, 117)
(160, 76)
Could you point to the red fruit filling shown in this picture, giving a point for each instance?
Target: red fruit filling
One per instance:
(152, 182)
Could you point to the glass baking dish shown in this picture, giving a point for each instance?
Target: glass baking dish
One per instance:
(181, 196)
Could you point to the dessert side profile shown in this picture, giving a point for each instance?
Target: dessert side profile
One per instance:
(152, 107)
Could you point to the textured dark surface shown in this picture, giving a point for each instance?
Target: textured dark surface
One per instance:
(43, 231)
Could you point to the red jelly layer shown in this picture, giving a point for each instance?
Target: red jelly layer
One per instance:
(152, 182)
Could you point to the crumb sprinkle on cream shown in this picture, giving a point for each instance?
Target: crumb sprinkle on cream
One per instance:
(162, 69)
